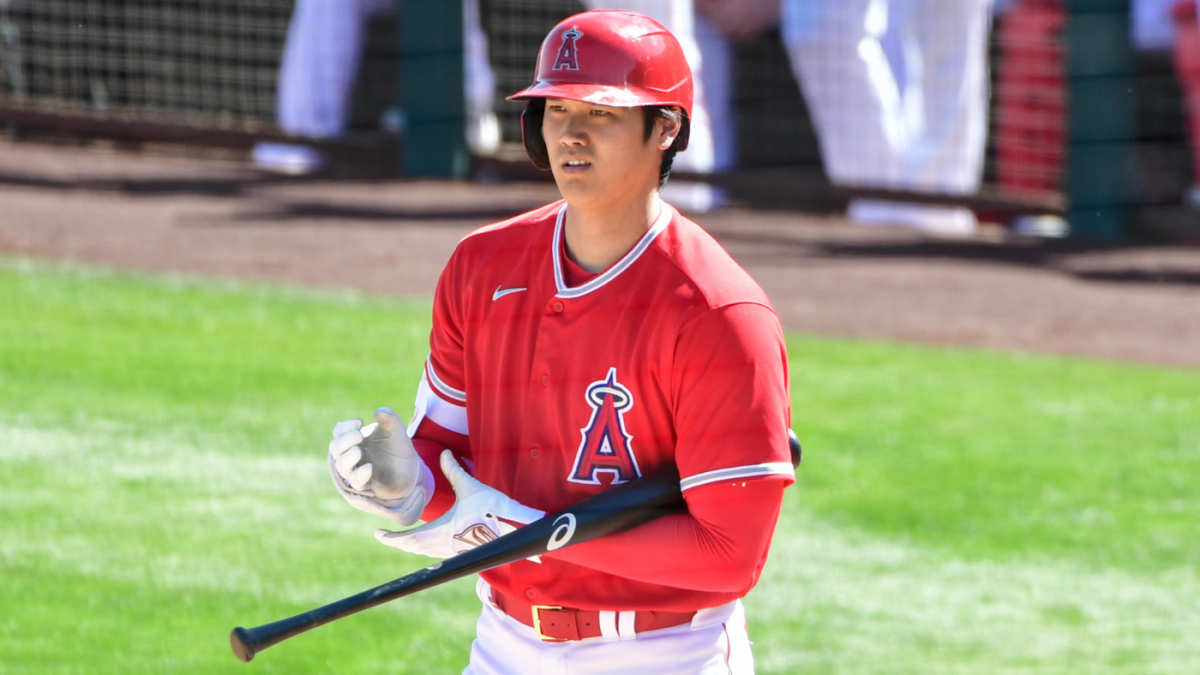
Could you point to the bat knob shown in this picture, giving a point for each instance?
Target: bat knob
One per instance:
(794, 445)
(242, 643)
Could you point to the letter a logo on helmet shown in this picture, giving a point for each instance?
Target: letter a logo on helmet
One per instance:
(568, 56)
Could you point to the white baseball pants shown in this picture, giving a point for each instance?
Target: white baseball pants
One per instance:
(715, 643)
(321, 58)
(925, 131)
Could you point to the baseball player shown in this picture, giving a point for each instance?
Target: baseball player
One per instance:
(592, 341)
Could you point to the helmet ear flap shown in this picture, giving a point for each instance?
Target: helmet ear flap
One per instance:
(531, 133)
(685, 132)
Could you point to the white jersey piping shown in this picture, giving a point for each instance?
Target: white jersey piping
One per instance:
(660, 224)
(441, 386)
(739, 473)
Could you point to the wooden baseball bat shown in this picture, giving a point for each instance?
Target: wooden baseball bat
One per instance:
(619, 508)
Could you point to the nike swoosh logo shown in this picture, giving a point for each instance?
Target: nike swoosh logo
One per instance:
(501, 292)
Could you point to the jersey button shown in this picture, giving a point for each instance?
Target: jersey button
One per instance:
(534, 453)
(558, 307)
(545, 380)
(530, 593)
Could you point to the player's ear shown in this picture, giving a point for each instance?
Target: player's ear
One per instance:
(668, 126)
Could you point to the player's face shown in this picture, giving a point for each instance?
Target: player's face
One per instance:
(599, 154)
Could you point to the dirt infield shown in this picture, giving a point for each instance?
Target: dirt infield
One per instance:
(216, 217)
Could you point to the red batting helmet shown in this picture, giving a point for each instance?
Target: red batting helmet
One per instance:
(607, 57)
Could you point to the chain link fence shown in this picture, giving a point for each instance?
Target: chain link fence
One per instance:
(214, 64)
(191, 62)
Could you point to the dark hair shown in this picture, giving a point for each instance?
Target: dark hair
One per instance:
(535, 143)
(674, 114)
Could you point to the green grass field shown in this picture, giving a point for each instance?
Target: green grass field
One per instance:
(162, 479)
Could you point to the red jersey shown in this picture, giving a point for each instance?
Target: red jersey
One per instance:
(552, 391)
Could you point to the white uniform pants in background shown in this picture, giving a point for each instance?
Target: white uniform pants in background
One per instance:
(717, 57)
(924, 131)
(715, 643)
(321, 59)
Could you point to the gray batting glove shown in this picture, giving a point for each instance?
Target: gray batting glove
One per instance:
(377, 470)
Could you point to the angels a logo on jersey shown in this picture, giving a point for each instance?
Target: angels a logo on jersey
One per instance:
(568, 58)
(606, 445)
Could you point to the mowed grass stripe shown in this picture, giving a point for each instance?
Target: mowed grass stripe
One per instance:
(162, 479)
(996, 455)
(228, 356)
(850, 602)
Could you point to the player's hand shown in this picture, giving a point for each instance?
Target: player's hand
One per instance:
(377, 469)
(479, 515)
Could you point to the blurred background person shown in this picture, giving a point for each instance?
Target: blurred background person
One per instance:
(718, 24)
(320, 64)
(1185, 15)
(1029, 107)
(898, 93)
(1172, 28)
(1151, 26)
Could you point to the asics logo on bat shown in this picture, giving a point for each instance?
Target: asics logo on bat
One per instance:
(562, 532)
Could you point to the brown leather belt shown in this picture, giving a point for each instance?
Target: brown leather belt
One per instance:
(563, 624)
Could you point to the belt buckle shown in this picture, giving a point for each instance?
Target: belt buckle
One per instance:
(537, 623)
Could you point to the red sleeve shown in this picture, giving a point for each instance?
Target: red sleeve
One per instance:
(446, 367)
(719, 545)
(440, 419)
(430, 440)
(731, 406)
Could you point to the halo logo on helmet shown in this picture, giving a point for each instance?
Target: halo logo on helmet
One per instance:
(568, 56)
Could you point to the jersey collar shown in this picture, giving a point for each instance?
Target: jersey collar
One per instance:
(564, 291)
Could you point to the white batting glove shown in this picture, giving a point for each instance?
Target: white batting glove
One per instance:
(479, 515)
(377, 470)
